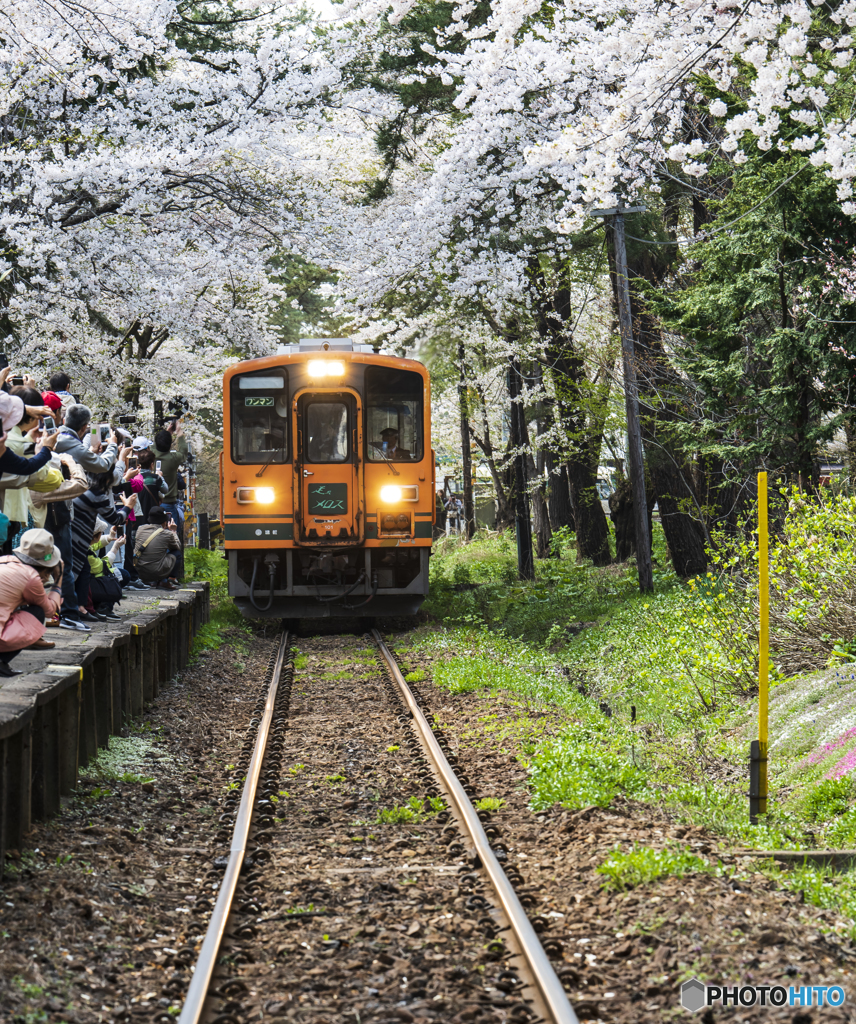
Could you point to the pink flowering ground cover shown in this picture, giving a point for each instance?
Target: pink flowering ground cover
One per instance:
(812, 727)
(828, 751)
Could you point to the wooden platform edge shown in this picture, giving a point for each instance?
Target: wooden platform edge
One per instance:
(56, 716)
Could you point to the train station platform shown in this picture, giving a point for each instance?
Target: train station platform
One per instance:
(71, 698)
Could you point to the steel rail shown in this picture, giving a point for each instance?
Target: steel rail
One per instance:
(547, 983)
(197, 994)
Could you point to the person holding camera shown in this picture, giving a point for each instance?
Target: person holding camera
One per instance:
(88, 506)
(157, 549)
(76, 426)
(169, 463)
(30, 584)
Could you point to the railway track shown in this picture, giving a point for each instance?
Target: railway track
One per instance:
(334, 908)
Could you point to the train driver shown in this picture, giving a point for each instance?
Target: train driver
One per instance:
(388, 445)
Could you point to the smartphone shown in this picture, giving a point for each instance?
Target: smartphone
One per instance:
(93, 430)
(133, 462)
(120, 531)
(105, 431)
(4, 360)
(158, 466)
(49, 424)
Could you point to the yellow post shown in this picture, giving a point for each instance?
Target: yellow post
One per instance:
(758, 754)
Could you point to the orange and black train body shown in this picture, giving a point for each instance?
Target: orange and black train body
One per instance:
(327, 482)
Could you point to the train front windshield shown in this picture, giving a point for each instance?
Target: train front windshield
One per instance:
(394, 415)
(259, 415)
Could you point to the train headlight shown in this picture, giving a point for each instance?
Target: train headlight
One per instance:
(318, 368)
(390, 494)
(265, 495)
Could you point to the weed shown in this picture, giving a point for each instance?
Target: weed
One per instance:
(490, 803)
(415, 677)
(413, 811)
(29, 990)
(300, 662)
(642, 865)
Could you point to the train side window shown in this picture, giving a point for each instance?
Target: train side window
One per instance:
(259, 417)
(393, 415)
(327, 432)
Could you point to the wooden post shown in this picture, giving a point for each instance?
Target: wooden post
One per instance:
(635, 459)
(758, 750)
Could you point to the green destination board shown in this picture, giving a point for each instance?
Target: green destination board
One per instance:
(327, 499)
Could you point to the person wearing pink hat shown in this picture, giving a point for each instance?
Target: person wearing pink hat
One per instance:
(24, 600)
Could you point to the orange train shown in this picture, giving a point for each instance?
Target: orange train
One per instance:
(327, 482)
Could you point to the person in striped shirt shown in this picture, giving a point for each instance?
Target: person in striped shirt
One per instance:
(94, 502)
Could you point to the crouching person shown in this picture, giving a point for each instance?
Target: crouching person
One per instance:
(104, 589)
(156, 549)
(30, 584)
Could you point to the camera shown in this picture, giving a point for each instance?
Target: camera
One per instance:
(127, 419)
(16, 382)
(178, 406)
(50, 425)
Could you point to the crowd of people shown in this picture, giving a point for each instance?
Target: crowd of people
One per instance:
(88, 511)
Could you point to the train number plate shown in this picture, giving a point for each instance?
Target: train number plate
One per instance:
(327, 498)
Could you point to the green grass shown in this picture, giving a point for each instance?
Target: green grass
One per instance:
(645, 702)
(642, 865)
(225, 617)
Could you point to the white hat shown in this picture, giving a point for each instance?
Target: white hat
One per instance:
(11, 410)
(140, 443)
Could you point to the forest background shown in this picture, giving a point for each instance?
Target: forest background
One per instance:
(188, 183)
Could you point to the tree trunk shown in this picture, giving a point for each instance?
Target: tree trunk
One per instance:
(559, 504)
(466, 454)
(522, 522)
(621, 514)
(504, 512)
(850, 443)
(590, 519)
(540, 515)
(573, 411)
(659, 397)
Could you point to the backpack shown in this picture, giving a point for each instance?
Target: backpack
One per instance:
(148, 498)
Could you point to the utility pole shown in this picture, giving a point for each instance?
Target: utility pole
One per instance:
(635, 462)
(466, 449)
(522, 524)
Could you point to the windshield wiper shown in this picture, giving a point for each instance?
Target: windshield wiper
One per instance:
(386, 459)
(270, 460)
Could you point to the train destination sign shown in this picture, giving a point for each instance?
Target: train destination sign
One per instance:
(327, 498)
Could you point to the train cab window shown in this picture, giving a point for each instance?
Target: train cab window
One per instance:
(327, 432)
(259, 415)
(393, 415)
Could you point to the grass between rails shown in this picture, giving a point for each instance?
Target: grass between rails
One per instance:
(654, 697)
